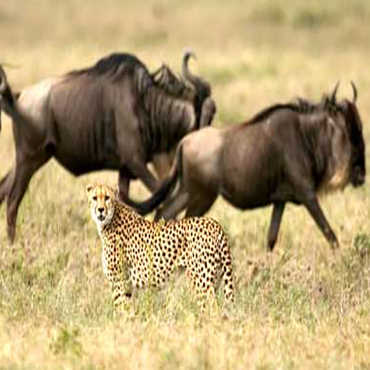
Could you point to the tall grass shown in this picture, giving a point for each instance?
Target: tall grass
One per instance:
(301, 307)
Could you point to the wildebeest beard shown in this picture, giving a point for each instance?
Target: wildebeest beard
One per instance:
(169, 120)
(173, 108)
(169, 110)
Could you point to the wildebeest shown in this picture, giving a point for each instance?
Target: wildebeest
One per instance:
(286, 153)
(113, 115)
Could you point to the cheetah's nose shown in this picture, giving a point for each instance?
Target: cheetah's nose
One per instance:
(100, 210)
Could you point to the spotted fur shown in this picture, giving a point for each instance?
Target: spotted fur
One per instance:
(137, 252)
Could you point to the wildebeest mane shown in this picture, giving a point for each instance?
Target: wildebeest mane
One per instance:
(116, 65)
(265, 113)
(301, 106)
(111, 65)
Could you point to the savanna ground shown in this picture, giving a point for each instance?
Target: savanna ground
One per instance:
(301, 307)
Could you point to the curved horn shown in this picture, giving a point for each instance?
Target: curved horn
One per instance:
(333, 97)
(354, 92)
(196, 81)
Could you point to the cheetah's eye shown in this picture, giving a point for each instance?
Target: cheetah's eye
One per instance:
(95, 198)
(106, 198)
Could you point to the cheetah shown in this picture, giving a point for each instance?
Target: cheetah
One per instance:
(137, 252)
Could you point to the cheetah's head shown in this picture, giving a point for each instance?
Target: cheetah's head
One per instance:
(101, 200)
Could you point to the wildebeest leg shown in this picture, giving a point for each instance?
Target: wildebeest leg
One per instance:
(317, 214)
(200, 204)
(173, 206)
(123, 185)
(23, 172)
(5, 184)
(277, 214)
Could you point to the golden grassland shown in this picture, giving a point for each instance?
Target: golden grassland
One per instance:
(301, 307)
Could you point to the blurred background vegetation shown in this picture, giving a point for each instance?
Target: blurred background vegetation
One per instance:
(302, 307)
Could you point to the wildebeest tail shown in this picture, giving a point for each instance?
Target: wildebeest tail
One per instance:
(5, 91)
(6, 96)
(166, 187)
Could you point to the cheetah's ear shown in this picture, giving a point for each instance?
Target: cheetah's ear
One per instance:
(89, 188)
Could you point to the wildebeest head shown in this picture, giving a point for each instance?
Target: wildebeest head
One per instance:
(204, 104)
(175, 106)
(199, 93)
(349, 111)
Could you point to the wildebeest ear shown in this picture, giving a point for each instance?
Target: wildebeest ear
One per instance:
(89, 188)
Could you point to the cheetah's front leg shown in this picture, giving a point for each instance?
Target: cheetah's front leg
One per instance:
(118, 276)
(122, 292)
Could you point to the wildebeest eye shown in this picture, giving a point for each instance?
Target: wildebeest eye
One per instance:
(95, 198)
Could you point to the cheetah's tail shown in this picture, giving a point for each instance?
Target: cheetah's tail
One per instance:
(166, 187)
(227, 269)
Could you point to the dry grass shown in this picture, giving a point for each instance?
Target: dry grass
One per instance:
(302, 307)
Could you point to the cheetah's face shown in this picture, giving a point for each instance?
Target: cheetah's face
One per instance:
(101, 199)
